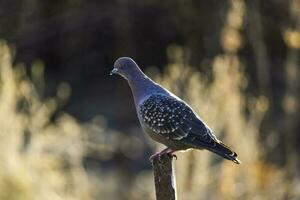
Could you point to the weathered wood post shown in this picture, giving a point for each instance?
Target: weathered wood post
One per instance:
(164, 178)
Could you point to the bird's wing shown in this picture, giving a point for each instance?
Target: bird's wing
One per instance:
(173, 119)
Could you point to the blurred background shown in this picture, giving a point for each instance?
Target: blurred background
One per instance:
(69, 131)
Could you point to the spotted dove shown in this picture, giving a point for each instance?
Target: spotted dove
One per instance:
(166, 118)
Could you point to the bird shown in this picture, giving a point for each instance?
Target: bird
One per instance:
(166, 118)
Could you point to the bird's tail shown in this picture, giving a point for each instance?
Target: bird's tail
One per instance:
(224, 151)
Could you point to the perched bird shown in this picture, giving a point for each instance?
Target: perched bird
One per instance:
(166, 118)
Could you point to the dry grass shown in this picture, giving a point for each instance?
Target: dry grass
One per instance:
(42, 159)
(39, 159)
(221, 103)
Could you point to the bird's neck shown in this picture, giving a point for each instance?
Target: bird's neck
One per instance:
(140, 87)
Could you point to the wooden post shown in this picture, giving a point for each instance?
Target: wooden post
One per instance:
(164, 178)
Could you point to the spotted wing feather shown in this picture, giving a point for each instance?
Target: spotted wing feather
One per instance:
(173, 119)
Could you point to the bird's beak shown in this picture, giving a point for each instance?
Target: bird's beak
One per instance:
(114, 71)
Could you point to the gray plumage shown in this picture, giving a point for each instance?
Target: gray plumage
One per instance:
(166, 118)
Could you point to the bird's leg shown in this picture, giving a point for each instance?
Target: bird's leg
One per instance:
(164, 151)
(158, 154)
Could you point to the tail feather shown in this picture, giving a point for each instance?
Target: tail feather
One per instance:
(216, 147)
(224, 151)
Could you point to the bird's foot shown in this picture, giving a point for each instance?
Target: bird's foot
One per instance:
(167, 151)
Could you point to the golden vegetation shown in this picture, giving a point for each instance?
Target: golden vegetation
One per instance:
(42, 157)
(39, 159)
(221, 103)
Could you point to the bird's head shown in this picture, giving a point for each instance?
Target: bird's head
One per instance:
(126, 67)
